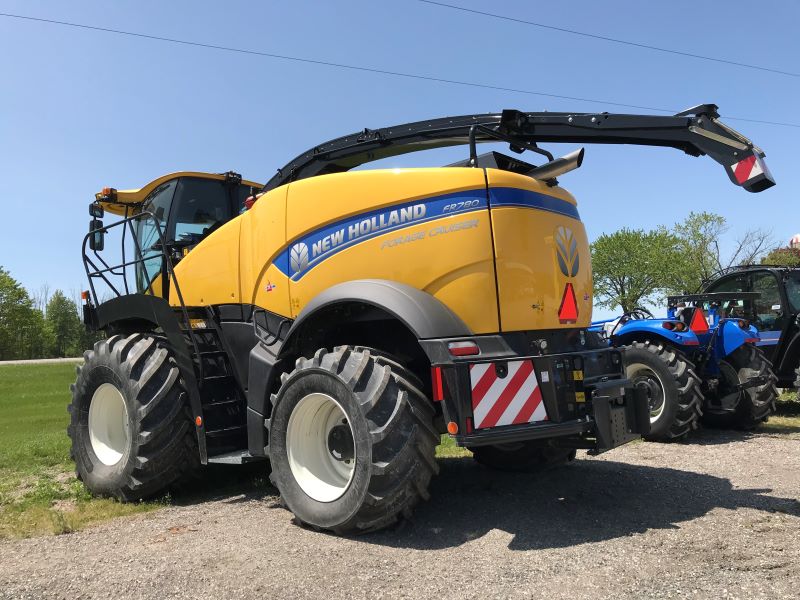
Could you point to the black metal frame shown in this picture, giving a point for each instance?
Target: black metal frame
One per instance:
(672, 301)
(696, 131)
(149, 306)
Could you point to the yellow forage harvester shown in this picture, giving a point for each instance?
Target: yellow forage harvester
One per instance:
(337, 322)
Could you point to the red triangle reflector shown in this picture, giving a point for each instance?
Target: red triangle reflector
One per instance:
(568, 311)
(699, 323)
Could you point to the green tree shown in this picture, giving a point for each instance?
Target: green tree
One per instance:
(62, 319)
(701, 255)
(22, 328)
(782, 256)
(633, 267)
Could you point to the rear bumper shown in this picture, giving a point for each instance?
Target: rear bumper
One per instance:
(585, 400)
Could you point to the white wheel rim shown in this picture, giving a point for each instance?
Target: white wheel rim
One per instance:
(320, 475)
(109, 430)
(631, 371)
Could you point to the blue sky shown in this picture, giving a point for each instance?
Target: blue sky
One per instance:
(80, 110)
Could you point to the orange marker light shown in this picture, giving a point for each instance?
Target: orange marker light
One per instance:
(198, 421)
(452, 428)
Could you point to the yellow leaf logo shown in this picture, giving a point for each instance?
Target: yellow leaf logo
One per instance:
(567, 251)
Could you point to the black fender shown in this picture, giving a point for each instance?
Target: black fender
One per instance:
(133, 311)
(423, 314)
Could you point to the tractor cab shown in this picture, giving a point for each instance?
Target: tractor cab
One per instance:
(774, 310)
(167, 217)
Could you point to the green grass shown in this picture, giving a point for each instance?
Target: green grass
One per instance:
(38, 491)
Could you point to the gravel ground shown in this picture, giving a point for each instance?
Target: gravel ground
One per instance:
(718, 517)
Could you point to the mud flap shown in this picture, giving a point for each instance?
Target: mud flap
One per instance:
(620, 420)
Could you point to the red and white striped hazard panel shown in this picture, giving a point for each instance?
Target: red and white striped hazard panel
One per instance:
(510, 400)
(747, 169)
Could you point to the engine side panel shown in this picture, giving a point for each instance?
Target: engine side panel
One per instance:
(427, 228)
(541, 247)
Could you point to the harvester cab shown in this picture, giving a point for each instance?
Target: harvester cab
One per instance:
(339, 322)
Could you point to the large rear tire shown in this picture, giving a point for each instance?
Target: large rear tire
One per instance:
(131, 431)
(673, 389)
(755, 404)
(351, 439)
(521, 457)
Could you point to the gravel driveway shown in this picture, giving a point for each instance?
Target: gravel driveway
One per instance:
(714, 518)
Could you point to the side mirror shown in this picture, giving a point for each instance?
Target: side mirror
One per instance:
(96, 210)
(97, 237)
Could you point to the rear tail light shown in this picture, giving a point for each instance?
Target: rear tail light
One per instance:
(438, 384)
(674, 326)
(463, 349)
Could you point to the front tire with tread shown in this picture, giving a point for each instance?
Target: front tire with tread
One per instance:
(161, 446)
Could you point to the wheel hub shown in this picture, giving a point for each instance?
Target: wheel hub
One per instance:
(109, 429)
(645, 378)
(320, 447)
(340, 443)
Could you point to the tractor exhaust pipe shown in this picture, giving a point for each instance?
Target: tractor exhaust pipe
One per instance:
(559, 166)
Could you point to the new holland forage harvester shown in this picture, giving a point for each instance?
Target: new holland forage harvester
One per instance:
(345, 320)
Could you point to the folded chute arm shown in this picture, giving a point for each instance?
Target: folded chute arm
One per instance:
(697, 131)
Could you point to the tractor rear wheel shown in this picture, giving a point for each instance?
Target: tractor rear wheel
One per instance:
(131, 431)
(521, 456)
(352, 442)
(673, 389)
(753, 405)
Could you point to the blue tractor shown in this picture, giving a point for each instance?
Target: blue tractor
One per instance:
(701, 362)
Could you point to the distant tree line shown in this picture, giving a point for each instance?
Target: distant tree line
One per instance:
(41, 325)
(634, 268)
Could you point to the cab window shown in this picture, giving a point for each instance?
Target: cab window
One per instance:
(793, 290)
(767, 307)
(201, 207)
(732, 308)
(158, 203)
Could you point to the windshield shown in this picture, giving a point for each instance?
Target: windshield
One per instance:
(158, 203)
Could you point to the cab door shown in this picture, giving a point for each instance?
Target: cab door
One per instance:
(769, 314)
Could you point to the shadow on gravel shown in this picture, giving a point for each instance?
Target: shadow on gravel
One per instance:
(228, 483)
(587, 501)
